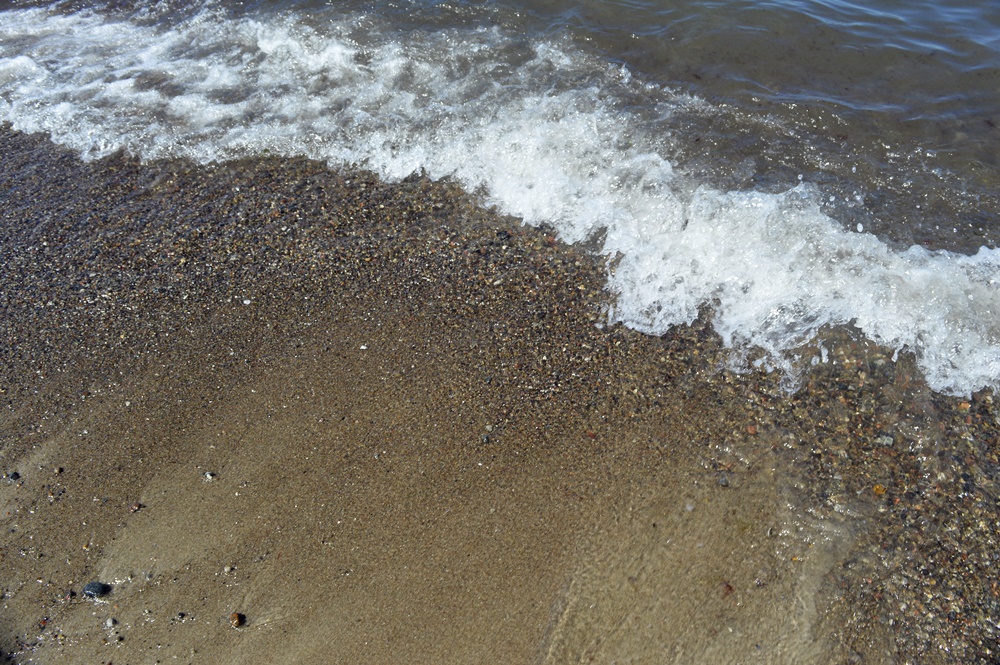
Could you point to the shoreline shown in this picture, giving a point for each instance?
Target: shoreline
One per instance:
(332, 347)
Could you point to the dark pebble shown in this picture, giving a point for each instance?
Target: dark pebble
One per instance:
(96, 589)
(13, 476)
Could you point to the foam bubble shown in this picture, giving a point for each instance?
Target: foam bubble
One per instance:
(552, 134)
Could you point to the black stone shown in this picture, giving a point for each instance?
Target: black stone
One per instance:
(96, 589)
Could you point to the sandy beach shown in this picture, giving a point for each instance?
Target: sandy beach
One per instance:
(285, 413)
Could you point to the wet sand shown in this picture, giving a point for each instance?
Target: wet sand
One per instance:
(377, 423)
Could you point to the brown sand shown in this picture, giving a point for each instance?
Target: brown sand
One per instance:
(363, 519)
(381, 425)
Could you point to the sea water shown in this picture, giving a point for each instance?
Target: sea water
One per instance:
(787, 166)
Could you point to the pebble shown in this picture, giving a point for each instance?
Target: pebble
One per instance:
(885, 441)
(96, 589)
(237, 620)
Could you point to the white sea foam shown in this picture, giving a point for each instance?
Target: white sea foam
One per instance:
(548, 131)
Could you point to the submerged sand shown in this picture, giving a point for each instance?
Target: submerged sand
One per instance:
(376, 423)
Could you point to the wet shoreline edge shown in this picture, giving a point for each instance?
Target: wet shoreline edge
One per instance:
(122, 250)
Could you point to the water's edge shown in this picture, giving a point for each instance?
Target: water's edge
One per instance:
(107, 263)
(775, 217)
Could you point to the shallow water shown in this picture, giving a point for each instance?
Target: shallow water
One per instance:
(791, 165)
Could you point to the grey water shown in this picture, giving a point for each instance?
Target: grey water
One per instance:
(898, 100)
